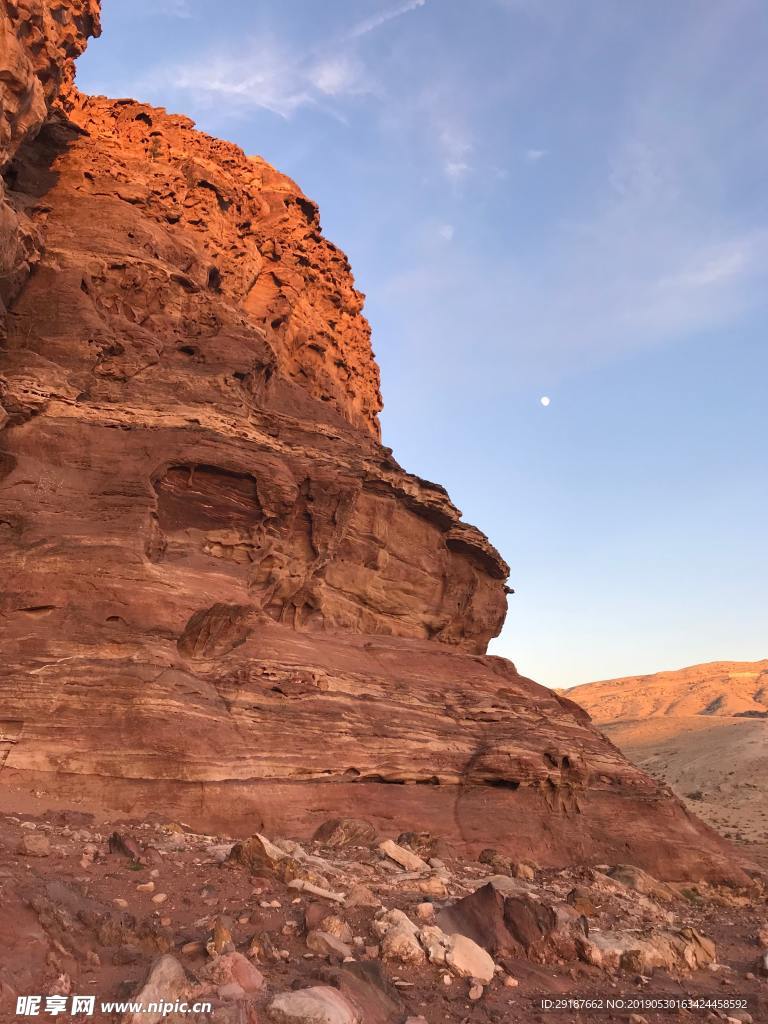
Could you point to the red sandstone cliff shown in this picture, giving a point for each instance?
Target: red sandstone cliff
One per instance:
(222, 594)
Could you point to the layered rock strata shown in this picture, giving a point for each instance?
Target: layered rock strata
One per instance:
(222, 594)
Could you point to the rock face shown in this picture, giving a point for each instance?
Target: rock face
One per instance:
(222, 594)
(39, 40)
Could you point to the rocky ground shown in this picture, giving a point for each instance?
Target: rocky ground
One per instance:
(357, 927)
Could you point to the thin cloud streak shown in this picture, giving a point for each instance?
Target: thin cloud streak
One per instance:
(376, 21)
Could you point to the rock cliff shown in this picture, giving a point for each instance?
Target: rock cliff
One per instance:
(222, 595)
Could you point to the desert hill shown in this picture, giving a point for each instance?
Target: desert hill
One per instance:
(702, 729)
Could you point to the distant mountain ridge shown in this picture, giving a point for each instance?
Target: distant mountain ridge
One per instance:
(723, 688)
(702, 729)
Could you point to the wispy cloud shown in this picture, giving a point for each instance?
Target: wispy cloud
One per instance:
(534, 155)
(367, 25)
(456, 151)
(275, 77)
(174, 8)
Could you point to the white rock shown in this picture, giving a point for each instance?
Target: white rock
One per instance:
(436, 943)
(318, 1005)
(469, 960)
(387, 919)
(165, 983)
(410, 861)
(316, 890)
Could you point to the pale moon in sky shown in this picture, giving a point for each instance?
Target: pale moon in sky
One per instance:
(544, 399)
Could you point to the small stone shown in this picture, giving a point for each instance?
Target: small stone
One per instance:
(510, 982)
(425, 911)
(328, 945)
(160, 897)
(361, 896)
(335, 925)
(475, 992)
(34, 844)
(145, 887)
(432, 886)
(120, 902)
(192, 948)
(221, 939)
(447, 979)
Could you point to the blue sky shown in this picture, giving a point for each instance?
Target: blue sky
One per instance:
(538, 197)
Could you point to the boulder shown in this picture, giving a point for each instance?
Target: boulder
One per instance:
(328, 945)
(261, 857)
(515, 925)
(340, 832)
(468, 960)
(640, 881)
(368, 988)
(34, 844)
(402, 945)
(682, 950)
(234, 969)
(166, 981)
(318, 1005)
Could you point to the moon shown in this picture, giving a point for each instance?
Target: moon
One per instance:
(544, 400)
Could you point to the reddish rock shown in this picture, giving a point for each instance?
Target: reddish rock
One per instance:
(241, 607)
(340, 832)
(514, 925)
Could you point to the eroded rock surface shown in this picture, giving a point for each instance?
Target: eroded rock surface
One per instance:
(221, 593)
